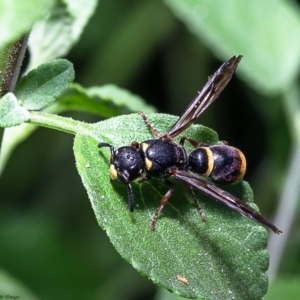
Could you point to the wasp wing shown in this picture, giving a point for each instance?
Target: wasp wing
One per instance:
(208, 94)
(211, 190)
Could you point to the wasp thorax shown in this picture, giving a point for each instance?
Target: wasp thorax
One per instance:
(160, 155)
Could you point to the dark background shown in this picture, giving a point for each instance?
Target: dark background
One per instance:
(49, 236)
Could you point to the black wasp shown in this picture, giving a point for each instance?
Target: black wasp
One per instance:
(163, 158)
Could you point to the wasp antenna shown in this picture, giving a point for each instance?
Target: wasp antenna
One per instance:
(104, 145)
(149, 125)
(112, 149)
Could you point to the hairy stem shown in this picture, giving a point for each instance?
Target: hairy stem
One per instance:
(60, 123)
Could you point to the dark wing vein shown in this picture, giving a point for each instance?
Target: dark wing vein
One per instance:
(208, 94)
(211, 190)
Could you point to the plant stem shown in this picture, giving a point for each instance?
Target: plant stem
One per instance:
(60, 123)
(12, 56)
(287, 208)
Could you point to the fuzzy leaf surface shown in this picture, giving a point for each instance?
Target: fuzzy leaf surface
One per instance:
(11, 113)
(59, 30)
(15, 19)
(223, 258)
(41, 86)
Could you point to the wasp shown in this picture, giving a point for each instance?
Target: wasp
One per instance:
(161, 157)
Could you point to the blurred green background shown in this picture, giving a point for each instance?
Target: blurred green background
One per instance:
(163, 51)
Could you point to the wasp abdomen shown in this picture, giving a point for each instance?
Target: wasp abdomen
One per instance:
(222, 163)
(201, 161)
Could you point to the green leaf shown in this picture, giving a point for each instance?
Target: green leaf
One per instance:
(42, 86)
(263, 34)
(11, 288)
(107, 101)
(223, 258)
(11, 113)
(284, 288)
(128, 30)
(54, 36)
(12, 137)
(81, 11)
(18, 16)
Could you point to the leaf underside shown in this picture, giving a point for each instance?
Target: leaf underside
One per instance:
(222, 258)
(11, 113)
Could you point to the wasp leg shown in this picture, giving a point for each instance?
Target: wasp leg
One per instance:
(194, 143)
(197, 144)
(163, 202)
(148, 124)
(200, 210)
(135, 145)
(144, 178)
